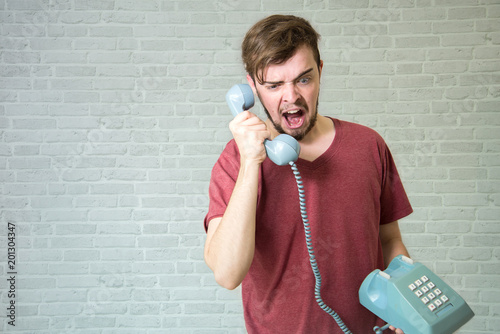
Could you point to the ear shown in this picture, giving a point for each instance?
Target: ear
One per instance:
(320, 68)
(251, 82)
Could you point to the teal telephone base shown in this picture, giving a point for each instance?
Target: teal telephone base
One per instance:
(409, 296)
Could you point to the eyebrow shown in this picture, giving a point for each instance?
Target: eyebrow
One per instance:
(282, 82)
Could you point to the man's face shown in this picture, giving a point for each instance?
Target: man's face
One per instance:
(290, 92)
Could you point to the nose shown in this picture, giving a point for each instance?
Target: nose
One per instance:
(290, 92)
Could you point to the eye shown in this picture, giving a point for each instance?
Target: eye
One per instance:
(304, 80)
(272, 86)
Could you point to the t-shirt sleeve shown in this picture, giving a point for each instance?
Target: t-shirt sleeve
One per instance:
(393, 199)
(222, 181)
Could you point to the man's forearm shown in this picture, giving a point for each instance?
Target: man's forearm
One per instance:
(230, 244)
(392, 242)
(393, 249)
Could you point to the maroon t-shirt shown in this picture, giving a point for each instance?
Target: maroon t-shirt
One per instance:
(350, 191)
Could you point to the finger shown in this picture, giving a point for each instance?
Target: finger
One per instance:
(396, 330)
(248, 122)
(244, 115)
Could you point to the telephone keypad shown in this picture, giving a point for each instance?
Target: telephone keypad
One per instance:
(427, 292)
(397, 296)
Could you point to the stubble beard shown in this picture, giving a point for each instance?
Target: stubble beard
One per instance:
(298, 134)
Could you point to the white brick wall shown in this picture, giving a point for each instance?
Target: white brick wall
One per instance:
(113, 114)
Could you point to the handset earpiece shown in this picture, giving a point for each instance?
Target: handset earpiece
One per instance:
(240, 98)
(284, 148)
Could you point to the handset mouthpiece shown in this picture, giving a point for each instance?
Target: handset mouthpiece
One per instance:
(283, 149)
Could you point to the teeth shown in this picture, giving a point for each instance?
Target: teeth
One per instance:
(292, 112)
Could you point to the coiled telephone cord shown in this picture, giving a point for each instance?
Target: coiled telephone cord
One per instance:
(310, 250)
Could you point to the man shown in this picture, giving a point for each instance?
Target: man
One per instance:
(354, 196)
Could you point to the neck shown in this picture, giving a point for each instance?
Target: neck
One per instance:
(322, 128)
(318, 140)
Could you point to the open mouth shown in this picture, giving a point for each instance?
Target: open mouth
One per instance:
(294, 118)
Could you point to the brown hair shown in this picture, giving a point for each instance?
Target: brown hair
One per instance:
(274, 40)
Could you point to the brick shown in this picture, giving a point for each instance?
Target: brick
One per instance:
(50, 44)
(147, 5)
(466, 13)
(121, 255)
(410, 28)
(425, 14)
(109, 215)
(412, 81)
(463, 39)
(453, 27)
(417, 42)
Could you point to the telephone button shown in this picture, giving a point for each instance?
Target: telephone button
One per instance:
(425, 289)
(431, 285)
(431, 307)
(425, 300)
(424, 279)
(412, 286)
(418, 282)
(418, 293)
(438, 303)
(437, 292)
(444, 298)
(431, 296)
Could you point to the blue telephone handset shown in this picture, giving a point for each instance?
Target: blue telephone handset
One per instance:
(284, 148)
(409, 296)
